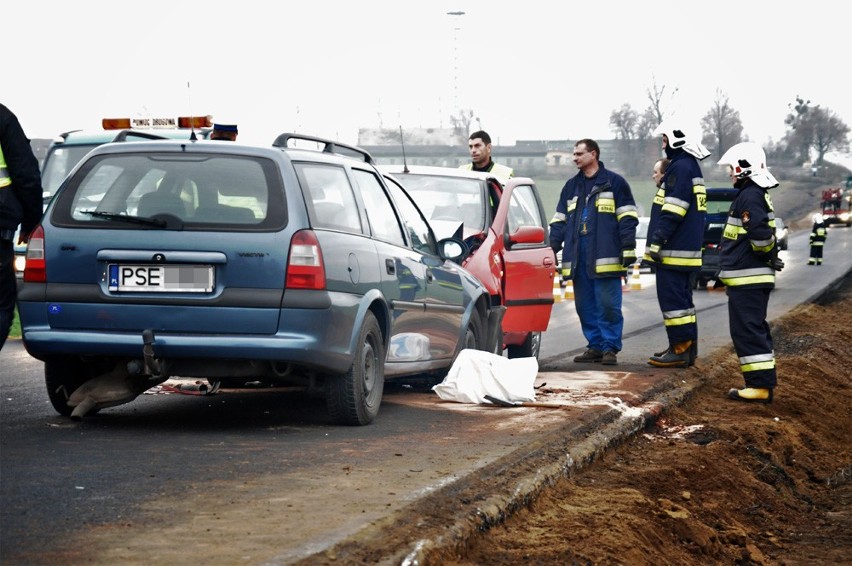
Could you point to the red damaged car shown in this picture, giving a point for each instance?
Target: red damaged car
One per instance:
(506, 231)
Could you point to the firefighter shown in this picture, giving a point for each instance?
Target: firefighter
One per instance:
(675, 236)
(595, 227)
(817, 239)
(748, 259)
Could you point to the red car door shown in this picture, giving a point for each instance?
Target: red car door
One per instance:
(528, 262)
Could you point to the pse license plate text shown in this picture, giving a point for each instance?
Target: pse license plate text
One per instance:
(161, 278)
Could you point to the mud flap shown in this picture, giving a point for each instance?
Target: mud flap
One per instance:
(494, 330)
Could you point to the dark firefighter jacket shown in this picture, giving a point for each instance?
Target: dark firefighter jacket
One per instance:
(748, 242)
(678, 212)
(611, 225)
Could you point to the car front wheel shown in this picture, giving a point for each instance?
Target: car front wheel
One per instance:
(473, 335)
(354, 397)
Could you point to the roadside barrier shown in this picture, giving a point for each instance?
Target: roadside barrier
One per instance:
(569, 290)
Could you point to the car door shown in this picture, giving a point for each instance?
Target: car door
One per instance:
(444, 293)
(528, 265)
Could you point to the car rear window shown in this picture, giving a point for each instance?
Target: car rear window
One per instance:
(200, 190)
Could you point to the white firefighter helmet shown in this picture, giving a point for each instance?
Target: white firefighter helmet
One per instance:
(817, 218)
(681, 136)
(747, 159)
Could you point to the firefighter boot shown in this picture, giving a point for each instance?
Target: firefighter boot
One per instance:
(693, 353)
(677, 356)
(751, 395)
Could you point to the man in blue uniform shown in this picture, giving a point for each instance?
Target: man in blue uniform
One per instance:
(595, 226)
(675, 237)
(748, 259)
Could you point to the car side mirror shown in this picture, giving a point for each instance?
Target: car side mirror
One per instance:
(453, 249)
(525, 235)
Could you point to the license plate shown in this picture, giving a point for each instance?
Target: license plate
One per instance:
(161, 278)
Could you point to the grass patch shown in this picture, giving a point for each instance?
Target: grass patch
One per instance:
(549, 189)
(15, 331)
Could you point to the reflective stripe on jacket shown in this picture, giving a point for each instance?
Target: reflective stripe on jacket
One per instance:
(501, 172)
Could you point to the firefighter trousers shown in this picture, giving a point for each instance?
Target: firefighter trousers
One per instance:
(751, 336)
(674, 293)
(598, 302)
(816, 255)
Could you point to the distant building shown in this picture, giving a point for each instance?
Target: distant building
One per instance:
(441, 147)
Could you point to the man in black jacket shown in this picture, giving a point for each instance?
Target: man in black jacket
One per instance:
(20, 204)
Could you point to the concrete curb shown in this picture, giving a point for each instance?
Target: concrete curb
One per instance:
(493, 493)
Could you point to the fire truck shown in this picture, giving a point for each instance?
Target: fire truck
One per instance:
(837, 206)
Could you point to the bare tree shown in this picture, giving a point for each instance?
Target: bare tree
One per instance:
(647, 122)
(814, 128)
(799, 129)
(829, 132)
(623, 122)
(721, 125)
(656, 94)
(461, 125)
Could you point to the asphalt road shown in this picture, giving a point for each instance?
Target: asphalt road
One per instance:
(194, 467)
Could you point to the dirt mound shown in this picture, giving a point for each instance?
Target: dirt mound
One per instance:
(715, 481)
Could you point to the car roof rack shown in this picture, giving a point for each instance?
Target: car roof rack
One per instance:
(329, 146)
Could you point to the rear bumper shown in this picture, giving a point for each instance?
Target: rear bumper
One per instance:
(312, 338)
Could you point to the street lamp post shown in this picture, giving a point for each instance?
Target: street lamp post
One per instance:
(456, 29)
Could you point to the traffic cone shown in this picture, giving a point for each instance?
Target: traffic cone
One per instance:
(636, 279)
(557, 290)
(569, 290)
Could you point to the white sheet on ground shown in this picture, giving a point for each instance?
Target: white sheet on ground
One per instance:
(476, 374)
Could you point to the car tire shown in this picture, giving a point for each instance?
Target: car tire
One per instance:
(473, 338)
(63, 376)
(530, 348)
(354, 397)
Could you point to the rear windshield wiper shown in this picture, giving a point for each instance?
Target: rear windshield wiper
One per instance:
(126, 218)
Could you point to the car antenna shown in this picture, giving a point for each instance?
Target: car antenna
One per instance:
(192, 136)
(402, 142)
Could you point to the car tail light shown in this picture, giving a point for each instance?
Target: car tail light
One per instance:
(305, 268)
(35, 269)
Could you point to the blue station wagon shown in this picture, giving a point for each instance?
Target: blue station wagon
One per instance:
(230, 262)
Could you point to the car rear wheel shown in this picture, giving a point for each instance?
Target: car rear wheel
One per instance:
(63, 376)
(530, 348)
(354, 397)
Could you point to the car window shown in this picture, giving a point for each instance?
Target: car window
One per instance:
(59, 163)
(380, 213)
(332, 202)
(198, 189)
(419, 233)
(716, 206)
(523, 208)
(448, 198)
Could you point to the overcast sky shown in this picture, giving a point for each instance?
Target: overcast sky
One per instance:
(537, 69)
